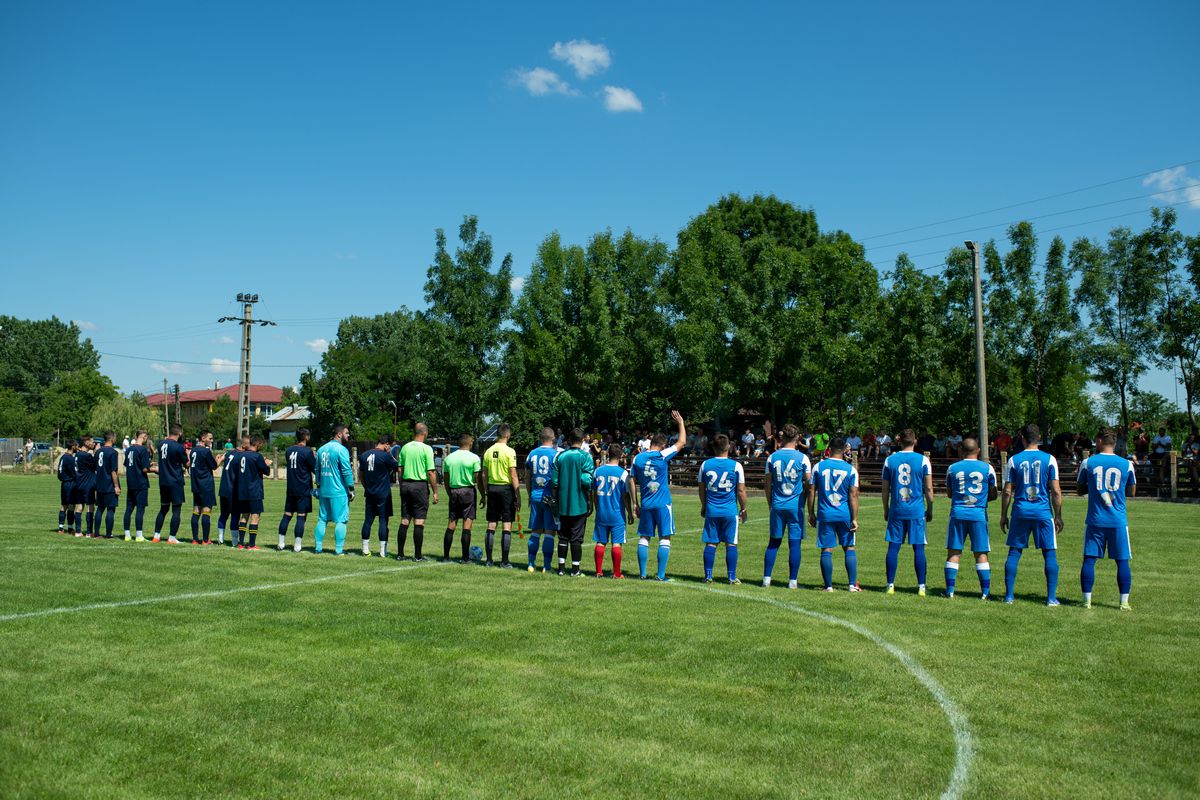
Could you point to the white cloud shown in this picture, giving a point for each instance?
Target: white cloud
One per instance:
(586, 58)
(173, 368)
(517, 284)
(225, 340)
(222, 365)
(84, 325)
(1175, 186)
(540, 81)
(318, 346)
(617, 99)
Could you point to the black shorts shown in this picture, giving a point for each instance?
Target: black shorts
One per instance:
(298, 504)
(65, 490)
(572, 529)
(170, 495)
(253, 505)
(462, 503)
(226, 504)
(138, 498)
(78, 494)
(414, 499)
(106, 500)
(203, 496)
(501, 503)
(379, 505)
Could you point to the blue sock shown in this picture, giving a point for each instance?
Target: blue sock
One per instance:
(827, 567)
(1010, 572)
(110, 517)
(710, 555)
(793, 559)
(984, 571)
(664, 553)
(62, 520)
(893, 561)
(1124, 576)
(1051, 574)
(547, 551)
(643, 555)
(951, 574)
(1087, 575)
(535, 543)
(770, 556)
(339, 536)
(300, 520)
(731, 561)
(852, 567)
(919, 563)
(283, 525)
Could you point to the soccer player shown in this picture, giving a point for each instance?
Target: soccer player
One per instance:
(375, 470)
(335, 489)
(137, 484)
(204, 496)
(833, 511)
(66, 485)
(108, 484)
(572, 478)
(1106, 478)
(542, 522)
(418, 477)
(461, 470)
(228, 497)
(85, 487)
(503, 496)
(301, 462)
(248, 487)
(613, 496)
(1032, 489)
(970, 484)
(651, 474)
(787, 473)
(907, 506)
(172, 458)
(722, 505)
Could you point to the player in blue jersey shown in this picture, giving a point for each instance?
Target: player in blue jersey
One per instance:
(248, 486)
(202, 464)
(137, 485)
(723, 506)
(787, 475)
(375, 469)
(172, 459)
(1106, 478)
(833, 511)
(335, 489)
(907, 506)
(542, 522)
(651, 474)
(970, 484)
(300, 461)
(225, 493)
(66, 485)
(85, 487)
(613, 499)
(1032, 490)
(108, 484)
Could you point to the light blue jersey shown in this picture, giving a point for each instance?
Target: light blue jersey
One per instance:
(832, 479)
(720, 478)
(650, 472)
(540, 462)
(1107, 477)
(970, 482)
(787, 471)
(905, 473)
(1030, 473)
(334, 475)
(612, 484)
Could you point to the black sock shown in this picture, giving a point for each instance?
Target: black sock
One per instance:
(418, 539)
(161, 518)
(140, 516)
(576, 554)
(253, 533)
(70, 518)
(110, 517)
(91, 521)
(562, 552)
(128, 515)
(175, 520)
(466, 545)
(206, 523)
(62, 520)
(195, 526)
(488, 542)
(79, 522)
(401, 540)
(505, 545)
(283, 525)
(447, 543)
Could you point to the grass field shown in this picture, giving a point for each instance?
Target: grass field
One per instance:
(294, 675)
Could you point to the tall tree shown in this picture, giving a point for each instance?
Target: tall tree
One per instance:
(1179, 304)
(908, 344)
(126, 415)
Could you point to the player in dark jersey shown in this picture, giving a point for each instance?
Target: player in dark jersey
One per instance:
(66, 484)
(85, 486)
(172, 460)
(375, 470)
(108, 484)
(137, 483)
(225, 492)
(248, 487)
(301, 462)
(202, 466)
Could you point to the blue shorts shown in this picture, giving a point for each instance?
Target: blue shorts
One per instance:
(298, 504)
(249, 505)
(787, 523)
(959, 530)
(834, 534)
(898, 530)
(64, 492)
(609, 534)
(1114, 541)
(541, 517)
(203, 496)
(333, 509)
(720, 530)
(106, 500)
(170, 495)
(137, 498)
(660, 519)
(1042, 530)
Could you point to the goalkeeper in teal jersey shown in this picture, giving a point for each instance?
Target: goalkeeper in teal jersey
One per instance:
(335, 488)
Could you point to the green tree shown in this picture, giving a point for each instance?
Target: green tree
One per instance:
(908, 348)
(125, 416)
(222, 419)
(1179, 303)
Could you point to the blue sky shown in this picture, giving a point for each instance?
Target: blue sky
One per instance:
(157, 158)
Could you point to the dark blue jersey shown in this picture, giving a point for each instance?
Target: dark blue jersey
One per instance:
(301, 463)
(137, 461)
(229, 473)
(251, 467)
(85, 468)
(172, 456)
(107, 462)
(202, 466)
(66, 468)
(375, 468)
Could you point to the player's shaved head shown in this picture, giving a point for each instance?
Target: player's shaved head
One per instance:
(1031, 433)
(789, 434)
(575, 436)
(837, 446)
(615, 453)
(547, 435)
(721, 444)
(109, 437)
(176, 429)
(465, 441)
(1106, 437)
(658, 440)
(970, 446)
(504, 431)
(420, 429)
(302, 436)
(906, 437)
(72, 445)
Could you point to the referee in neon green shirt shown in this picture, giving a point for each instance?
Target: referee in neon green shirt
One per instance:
(418, 477)
(503, 493)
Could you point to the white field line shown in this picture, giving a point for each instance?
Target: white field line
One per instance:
(262, 587)
(964, 746)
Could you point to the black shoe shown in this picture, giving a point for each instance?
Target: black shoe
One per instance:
(420, 558)
(488, 563)
(400, 558)
(108, 536)
(561, 572)
(576, 573)
(506, 565)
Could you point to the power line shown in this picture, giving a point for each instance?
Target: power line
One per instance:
(169, 361)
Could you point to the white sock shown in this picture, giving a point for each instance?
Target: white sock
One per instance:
(1087, 597)
(282, 541)
(220, 536)
(383, 549)
(366, 548)
(1125, 598)
(127, 531)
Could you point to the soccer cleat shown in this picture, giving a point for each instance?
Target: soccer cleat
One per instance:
(734, 582)
(1125, 606)
(1008, 599)
(599, 575)
(617, 576)
(281, 547)
(793, 585)
(708, 580)
(79, 534)
(854, 587)
(1052, 603)
(561, 572)
(253, 547)
(949, 594)
(576, 573)
(296, 548)
(545, 570)
(488, 563)
(766, 583)
(504, 565)
(140, 538)
(172, 540)
(1087, 603)
(827, 589)
(920, 591)
(366, 550)
(985, 597)
(156, 539)
(662, 580)
(644, 577)
(530, 568)
(891, 589)
(241, 547)
(196, 541)
(128, 538)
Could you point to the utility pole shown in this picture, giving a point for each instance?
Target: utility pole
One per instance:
(980, 364)
(178, 409)
(247, 300)
(166, 412)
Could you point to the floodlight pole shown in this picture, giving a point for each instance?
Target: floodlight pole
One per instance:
(247, 322)
(980, 363)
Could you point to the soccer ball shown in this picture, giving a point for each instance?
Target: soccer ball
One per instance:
(477, 553)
